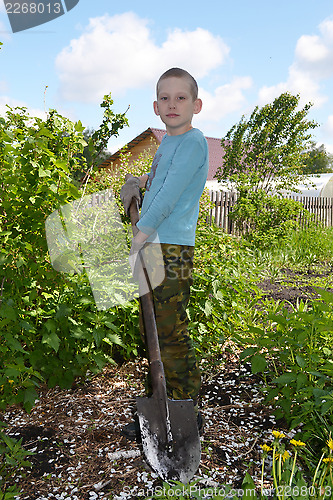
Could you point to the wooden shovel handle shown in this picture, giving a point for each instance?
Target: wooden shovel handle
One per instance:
(148, 315)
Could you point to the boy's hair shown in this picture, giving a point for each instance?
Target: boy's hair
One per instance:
(180, 73)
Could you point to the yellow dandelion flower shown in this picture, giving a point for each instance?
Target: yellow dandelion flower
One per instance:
(278, 434)
(283, 456)
(328, 460)
(297, 443)
(330, 444)
(265, 447)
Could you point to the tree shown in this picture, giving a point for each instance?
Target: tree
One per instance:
(316, 160)
(263, 155)
(265, 151)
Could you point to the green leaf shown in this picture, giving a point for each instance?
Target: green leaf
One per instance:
(325, 295)
(53, 188)
(285, 378)
(63, 311)
(80, 333)
(30, 397)
(326, 407)
(26, 326)
(320, 393)
(45, 132)
(316, 373)
(258, 363)
(51, 325)
(100, 360)
(302, 381)
(258, 332)
(111, 325)
(44, 172)
(62, 165)
(113, 339)
(28, 246)
(8, 312)
(208, 308)
(98, 334)
(13, 343)
(249, 487)
(272, 394)
(52, 340)
(247, 352)
(12, 372)
(301, 361)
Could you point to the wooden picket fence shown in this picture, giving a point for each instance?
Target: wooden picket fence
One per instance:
(224, 201)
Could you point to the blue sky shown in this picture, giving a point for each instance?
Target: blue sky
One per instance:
(242, 53)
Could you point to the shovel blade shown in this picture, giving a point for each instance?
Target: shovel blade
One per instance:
(173, 451)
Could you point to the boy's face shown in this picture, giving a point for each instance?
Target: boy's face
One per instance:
(175, 105)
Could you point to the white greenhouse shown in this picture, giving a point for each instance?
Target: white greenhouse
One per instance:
(318, 186)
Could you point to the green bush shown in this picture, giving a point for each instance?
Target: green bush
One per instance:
(51, 330)
(264, 219)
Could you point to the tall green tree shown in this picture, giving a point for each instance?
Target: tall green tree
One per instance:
(316, 160)
(264, 155)
(265, 150)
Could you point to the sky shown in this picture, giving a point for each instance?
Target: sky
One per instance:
(243, 54)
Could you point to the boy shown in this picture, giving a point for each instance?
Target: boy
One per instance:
(170, 208)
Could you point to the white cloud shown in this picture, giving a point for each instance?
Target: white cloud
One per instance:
(225, 100)
(119, 53)
(311, 50)
(312, 64)
(8, 101)
(298, 82)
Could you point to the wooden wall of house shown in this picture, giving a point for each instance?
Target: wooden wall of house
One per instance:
(136, 150)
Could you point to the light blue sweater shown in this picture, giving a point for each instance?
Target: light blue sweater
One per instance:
(176, 181)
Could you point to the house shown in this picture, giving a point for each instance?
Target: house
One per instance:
(152, 137)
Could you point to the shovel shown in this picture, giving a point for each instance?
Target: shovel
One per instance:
(169, 431)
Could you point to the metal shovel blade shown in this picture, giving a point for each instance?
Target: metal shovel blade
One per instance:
(171, 447)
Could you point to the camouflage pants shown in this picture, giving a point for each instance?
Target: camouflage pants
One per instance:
(171, 298)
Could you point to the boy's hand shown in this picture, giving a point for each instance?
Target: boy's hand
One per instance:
(130, 190)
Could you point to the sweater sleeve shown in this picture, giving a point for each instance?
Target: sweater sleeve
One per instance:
(189, 157)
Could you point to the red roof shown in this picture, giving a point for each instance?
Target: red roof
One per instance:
(216, 153)
(215, 149)
(158, 133)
